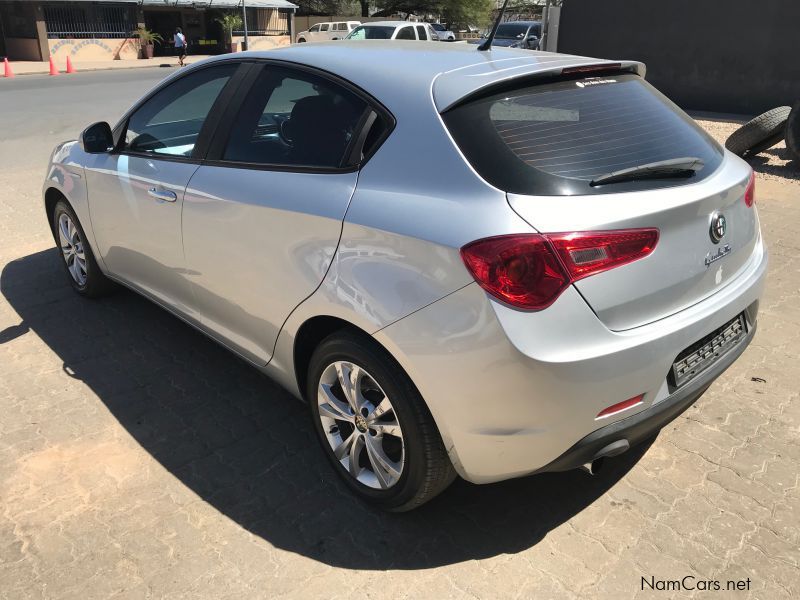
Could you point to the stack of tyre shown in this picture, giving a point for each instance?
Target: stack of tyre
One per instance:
(766, 130)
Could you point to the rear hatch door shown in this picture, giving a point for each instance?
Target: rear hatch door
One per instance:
(552, 145)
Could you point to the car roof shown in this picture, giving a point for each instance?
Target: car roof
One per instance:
(391, 23)
(402, 74)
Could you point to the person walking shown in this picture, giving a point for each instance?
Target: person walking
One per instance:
(180, 45)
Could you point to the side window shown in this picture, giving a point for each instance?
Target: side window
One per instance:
(352, 26)
(314, 29)
(294, 118)
(406, 33)
(170, 122)
(323, 27)
(422, 32)
(341, 26)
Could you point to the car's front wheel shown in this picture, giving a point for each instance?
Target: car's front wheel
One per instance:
(373, 424)
(76, 255)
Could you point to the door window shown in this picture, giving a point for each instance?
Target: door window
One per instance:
(170, 122)
(323, 27)
(406, 33)
(294, 118)
(421, 32)
(314, 29)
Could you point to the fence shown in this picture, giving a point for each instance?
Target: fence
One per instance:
(91, 21)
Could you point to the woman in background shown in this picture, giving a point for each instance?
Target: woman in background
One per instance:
(180, 45)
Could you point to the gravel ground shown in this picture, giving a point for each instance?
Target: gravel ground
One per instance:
(776, 163)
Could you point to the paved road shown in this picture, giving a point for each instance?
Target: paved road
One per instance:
(140, 460)
(38, 111)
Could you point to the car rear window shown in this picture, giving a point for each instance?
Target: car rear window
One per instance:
(555, 138)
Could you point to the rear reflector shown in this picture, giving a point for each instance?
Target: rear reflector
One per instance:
(619, 407)
(531, 271)
(750, 192)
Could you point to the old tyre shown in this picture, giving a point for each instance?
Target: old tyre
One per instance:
(761, 133)
(792, 134)
(76, 255)
(373, 424)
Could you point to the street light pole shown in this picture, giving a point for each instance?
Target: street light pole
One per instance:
(244, 20)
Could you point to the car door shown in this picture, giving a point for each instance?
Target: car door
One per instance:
(324, 33)
(262, 216)
(136, 191)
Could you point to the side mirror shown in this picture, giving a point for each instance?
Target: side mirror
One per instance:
(97, 138)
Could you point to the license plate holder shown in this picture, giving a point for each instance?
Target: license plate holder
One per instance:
(705, 352)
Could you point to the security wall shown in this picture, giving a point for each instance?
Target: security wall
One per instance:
(731, 56)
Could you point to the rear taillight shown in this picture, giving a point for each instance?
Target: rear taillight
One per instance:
(531, 271)
(750, 192)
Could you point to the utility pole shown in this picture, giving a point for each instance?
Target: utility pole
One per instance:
(545, 25)
(244, 20)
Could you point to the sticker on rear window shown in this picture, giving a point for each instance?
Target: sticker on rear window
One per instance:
(589, 82)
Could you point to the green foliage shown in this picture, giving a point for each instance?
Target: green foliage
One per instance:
(147, 37)
(230, 22)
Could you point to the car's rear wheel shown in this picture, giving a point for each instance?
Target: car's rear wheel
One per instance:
(373, 424)
(76, 255)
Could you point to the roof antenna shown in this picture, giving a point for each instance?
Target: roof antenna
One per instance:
(487, 43)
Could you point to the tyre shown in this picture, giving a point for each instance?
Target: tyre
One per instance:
(374, 425)
(761, 133)
(792, 134)
(76, 255)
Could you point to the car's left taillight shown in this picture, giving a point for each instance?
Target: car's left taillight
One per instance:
(530, 271)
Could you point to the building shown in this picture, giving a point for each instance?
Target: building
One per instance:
(104, 29)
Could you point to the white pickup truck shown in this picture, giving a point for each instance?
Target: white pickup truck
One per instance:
(322, 32)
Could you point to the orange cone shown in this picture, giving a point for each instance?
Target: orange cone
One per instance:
(7, 68)
(70, 68)
(53, 70)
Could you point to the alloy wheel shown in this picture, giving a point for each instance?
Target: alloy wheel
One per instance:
(72, 249)
(361, 426)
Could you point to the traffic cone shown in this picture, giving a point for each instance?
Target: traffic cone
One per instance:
(7, 68)
(53, 70)
(70, 68)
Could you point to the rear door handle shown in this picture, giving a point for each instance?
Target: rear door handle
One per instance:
(163, 195)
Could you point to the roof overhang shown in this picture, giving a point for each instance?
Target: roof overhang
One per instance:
(201, 3)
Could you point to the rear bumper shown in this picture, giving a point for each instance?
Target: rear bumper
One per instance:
(516, 392)
(617, 437)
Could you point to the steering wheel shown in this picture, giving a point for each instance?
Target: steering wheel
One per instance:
(283, 133)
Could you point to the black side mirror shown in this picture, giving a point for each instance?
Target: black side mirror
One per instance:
(97, 138)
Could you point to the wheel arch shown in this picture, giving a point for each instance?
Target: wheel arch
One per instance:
(309, 335)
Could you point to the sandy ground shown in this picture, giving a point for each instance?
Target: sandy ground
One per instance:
(776, 163)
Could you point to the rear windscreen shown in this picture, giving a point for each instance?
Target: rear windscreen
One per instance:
(555, 138)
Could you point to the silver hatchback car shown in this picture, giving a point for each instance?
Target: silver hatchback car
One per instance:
(489, 264)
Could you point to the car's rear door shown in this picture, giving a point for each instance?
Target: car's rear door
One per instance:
(136, 191)
(262, 216)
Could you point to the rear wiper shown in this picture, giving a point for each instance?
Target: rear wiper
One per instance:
(673, 167)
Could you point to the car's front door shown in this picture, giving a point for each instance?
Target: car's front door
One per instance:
(262, 216)
(136, 192)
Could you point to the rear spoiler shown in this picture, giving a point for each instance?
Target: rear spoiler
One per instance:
(456, 86)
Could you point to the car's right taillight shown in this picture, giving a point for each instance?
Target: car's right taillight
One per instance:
(750, 192)
(530, 271)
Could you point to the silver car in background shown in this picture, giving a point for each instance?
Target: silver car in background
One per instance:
(489, 264)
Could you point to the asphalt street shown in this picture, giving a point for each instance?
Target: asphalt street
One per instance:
(138, 459)
(38, 111)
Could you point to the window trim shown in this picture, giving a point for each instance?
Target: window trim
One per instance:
(210, 124)
(216, 147)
